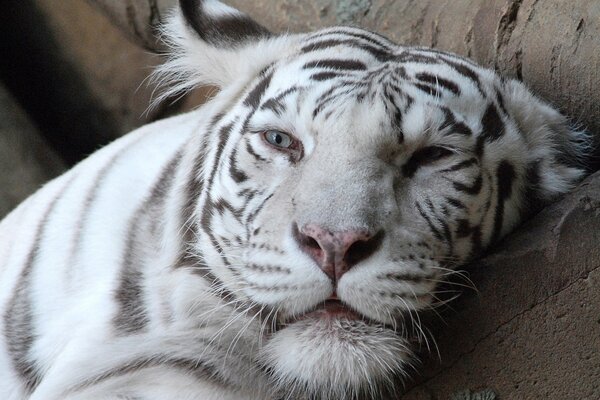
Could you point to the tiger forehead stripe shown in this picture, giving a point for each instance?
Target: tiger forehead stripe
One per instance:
(439, 81)
(347, 65)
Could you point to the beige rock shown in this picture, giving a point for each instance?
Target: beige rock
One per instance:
(26, 161)
(113, 69)
(533, 330)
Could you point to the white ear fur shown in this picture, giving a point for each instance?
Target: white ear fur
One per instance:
(558, 150)
(193, 62)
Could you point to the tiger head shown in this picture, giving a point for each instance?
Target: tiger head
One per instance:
(341, 177)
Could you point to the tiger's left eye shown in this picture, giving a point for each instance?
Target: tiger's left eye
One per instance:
(278, 139)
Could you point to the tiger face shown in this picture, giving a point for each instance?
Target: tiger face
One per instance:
(346, 177)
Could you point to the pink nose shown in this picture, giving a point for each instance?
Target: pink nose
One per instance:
(336, 252)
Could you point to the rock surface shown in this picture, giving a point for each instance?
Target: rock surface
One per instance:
(533, 330)
(26, 160)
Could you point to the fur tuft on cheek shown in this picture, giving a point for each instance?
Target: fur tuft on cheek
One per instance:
(335, 359)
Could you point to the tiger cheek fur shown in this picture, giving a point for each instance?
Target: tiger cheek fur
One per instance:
(279, 241)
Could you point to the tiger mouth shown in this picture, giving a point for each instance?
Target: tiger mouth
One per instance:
(331, 310)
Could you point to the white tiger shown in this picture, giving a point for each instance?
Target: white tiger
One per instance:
(276, 242)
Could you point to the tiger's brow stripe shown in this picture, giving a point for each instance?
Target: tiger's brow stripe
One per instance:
(372, 38)
(377, 53)
(132, 316)
(18, 319)
(439, 81)
(255, 96)
(337, 64)
(324, 76)
(275, 104)
(430, 90)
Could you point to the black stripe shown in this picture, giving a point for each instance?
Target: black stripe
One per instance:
(276, 104)
(89, 200)
(131, 315)
(434, 230)
(408, 57)
(445, 227)
(337, 64)
(19, 329)
(324, 76)
(193, 188)
(193, 367)
(456, 203)
(466, 72)
(438, 81)
(452, 126)
(399, 277)
(377, 53)
(430, 90)
(256, 94)
(491, 123)
(237, 175)
(505, 174)
(251, 151)
(368, 36)
(474, 189)
(229, 30)
(221, 205)
(224, 134)
(198, 267)
(461, 165)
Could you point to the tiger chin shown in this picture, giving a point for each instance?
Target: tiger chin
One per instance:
(334, 353)
(279, 241)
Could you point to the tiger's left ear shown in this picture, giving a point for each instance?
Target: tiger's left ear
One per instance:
(557, 152)
(212, 44)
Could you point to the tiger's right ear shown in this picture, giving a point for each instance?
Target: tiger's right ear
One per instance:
(210, 43)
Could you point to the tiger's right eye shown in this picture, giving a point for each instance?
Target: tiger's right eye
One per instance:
(278, 139)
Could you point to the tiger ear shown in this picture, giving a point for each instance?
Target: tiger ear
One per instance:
(212, 44)
(557, 152)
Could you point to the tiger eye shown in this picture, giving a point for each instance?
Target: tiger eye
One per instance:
(278, 139)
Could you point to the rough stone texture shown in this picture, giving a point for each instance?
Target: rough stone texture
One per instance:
(552, 45)
(25, 158)
(533, 330)
(113, 68)
(137, 18)
(78, 77)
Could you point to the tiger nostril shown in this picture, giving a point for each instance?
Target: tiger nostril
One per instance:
(362, 249)
(336, 252)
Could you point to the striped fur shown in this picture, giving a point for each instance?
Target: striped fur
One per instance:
(171, 264)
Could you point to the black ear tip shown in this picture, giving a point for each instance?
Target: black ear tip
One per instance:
(224, 29)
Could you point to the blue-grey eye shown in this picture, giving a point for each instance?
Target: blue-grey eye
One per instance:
(278, 139)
